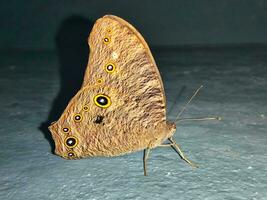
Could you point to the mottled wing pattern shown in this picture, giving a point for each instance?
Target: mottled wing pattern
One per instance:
(121, 106)
(136, 74)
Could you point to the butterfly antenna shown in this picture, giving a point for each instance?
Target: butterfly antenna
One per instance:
(185, 106)
(199, 119)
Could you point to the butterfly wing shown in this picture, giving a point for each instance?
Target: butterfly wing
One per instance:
(132, 111)
(114, 40)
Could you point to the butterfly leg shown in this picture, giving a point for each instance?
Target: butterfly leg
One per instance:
(146, 153)
(165, 145)
(176, 147)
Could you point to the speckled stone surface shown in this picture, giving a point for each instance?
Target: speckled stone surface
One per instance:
(232, 153)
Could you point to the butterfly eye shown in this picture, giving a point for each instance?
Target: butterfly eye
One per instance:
(66, 130)
(77, 118)
(110, 67)
(106, 40)
(71, 142)
(102, 101)
(85, 108)
(71, 154)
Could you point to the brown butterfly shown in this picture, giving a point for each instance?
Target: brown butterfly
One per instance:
(121, 106)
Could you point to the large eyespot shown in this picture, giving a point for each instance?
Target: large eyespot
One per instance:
(106, 40)
(71, 142)
(78, 118)
(102, 101)
(66, 129)
(110, 67)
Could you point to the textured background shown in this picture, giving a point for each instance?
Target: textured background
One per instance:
(220, 44)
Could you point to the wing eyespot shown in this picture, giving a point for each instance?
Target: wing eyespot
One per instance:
(110, 67)
(102, 101)
(66, 130)
(106, 40)
(78, 118)
(71, 142)
(99, 81)
(85, 108)
(109, 30)
(71, 154)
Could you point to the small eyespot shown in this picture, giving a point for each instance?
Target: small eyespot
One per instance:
(99, 81)
(71, 142)
(106, 40)
(102, 101)
(110, 67)
(85, 108)
(109, 30)
(71, 154)
(66, 130)
(78, 118)
(114, 55)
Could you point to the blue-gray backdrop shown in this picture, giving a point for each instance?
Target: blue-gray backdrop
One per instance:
(39, 24)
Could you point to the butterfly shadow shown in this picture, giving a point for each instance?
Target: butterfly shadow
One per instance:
(72, 51)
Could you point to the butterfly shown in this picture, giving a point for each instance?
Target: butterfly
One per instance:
(121, 106)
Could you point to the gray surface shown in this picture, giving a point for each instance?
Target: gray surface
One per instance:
(232, 154)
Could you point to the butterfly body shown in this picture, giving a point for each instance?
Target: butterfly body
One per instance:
(122, 74)
(121, 106)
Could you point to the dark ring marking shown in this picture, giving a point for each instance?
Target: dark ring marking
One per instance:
(71, 142)
(77, 118)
